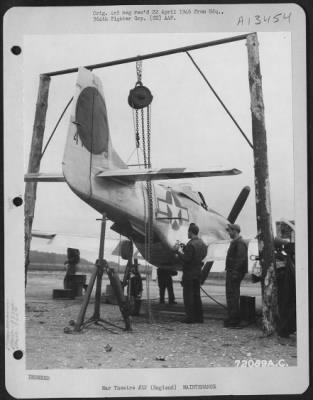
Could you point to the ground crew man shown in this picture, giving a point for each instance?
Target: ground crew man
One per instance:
(286, 287)
(73, 258)
(135, 288)
(165, 281)
(236, 268)
(192, 255)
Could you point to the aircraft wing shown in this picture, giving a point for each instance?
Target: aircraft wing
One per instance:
(44, 177)
(58, 242)
(43, 235)
(130, 175)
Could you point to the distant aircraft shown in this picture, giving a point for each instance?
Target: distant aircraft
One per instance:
(96, 174)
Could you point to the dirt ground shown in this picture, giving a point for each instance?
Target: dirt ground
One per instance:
(164, 342)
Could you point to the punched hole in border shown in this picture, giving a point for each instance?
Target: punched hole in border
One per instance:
(17, 201)
(18, 354)
(16, 50)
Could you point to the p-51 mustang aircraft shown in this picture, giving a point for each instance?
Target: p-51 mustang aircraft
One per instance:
(96, 174)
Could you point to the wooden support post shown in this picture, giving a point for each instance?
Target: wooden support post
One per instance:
(34, 161)
(262, 190)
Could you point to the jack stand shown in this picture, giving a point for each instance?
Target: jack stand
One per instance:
(101, 266)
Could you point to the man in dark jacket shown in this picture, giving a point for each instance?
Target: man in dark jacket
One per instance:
(236, 268)
(193, 254)
(165, 281)
(135, 288)
(73, 258)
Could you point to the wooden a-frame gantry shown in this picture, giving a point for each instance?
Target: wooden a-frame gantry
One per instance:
(263, 208)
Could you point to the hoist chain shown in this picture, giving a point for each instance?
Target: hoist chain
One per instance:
(137, 130)
(145, 127)
(150, 219)
(139, 71)
(149, 137)
(146, 148)
(149, 186)
(143, 138)
(148, 240)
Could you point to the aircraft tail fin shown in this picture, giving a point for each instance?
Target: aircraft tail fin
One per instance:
(88, 146)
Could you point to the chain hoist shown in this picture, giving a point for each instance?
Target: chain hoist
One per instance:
(140, 96)
(140, 99)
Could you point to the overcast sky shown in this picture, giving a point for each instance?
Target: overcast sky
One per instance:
(189, 126)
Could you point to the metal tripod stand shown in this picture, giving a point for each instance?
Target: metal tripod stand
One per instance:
(101, 267)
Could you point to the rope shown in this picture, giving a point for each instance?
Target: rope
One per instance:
(55, 128)
(219, 99)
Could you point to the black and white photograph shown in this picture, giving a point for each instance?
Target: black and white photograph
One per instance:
(155, 182)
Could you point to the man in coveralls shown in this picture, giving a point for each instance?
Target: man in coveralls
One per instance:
(192, 255)
(236, 268)
(165, 281)
(135, 289)
(286, 287)
(73, 258)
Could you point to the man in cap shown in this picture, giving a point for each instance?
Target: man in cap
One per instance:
(192, 255)
(236, 268)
